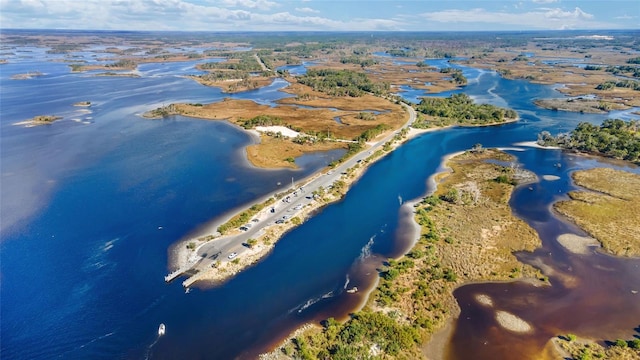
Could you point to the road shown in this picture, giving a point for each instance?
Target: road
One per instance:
(220, 249)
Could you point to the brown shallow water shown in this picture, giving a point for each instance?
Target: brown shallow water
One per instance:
(593, 296)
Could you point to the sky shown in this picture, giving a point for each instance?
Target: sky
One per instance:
(320, 15)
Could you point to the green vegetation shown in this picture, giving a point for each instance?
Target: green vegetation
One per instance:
(260, 120)
(354, 59)
(247, 63)
(614, 138)
(251, 243)
(626, 70)
(244, 217)
(459, 109)
(635, 60)
(370, 134)
(342, 82)
(162, 112)
(629, 84)
(123, 64)
(456, 75)
(401, 52)
(585, 350)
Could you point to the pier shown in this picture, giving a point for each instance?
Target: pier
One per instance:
(174, 274)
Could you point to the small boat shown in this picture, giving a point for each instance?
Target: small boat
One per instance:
(161, 329)
(353, 290)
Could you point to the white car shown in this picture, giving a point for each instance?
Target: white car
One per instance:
(233, 255)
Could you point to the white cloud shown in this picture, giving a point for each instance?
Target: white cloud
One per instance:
(307, 10)
(560, 14)
(250, 4)
(544, 1)
(538, 19)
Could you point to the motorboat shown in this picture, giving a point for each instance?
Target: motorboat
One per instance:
(161, 329)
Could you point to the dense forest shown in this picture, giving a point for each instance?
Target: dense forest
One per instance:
(614, 138)
(341, 82)
(459, 109)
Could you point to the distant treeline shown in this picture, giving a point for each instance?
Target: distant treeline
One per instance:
(342, 82)
(460, 109)
(614, 138)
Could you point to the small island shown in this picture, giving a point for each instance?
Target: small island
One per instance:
(27, 76)
(39, 120)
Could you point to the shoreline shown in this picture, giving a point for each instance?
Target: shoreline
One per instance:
(180, 255)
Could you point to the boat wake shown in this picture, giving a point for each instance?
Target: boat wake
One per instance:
(310, 302)
(366, 249)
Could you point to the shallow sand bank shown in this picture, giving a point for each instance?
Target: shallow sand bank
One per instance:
(578, 244)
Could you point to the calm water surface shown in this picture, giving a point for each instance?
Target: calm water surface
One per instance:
(91, 203)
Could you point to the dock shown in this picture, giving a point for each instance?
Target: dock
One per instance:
(174, 274)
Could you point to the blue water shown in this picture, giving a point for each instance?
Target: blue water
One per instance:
(90, 207)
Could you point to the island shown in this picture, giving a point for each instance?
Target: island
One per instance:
(39, 120)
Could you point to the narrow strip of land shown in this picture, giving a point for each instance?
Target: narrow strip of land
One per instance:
(223, 256)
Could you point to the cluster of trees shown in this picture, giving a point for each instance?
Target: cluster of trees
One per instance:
(614, 138)
(244, 217)
(635, 60)
(260, 120)
(459, 108)
(401, 52)
(628, 70)
(456, 75)
(354, 59)
(247, 63)
(355, 339)
(225, 75)
(124, 63)
(630, 84)
(342, 82)
(370, 134)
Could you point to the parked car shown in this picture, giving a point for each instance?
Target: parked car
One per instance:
(233, 255)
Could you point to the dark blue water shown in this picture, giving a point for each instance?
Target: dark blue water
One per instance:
(90, 207)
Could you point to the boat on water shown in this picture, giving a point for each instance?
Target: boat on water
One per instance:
(161, 329)
(353, 290)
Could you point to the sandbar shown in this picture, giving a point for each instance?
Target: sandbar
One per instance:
(512, 322)
(577, 244)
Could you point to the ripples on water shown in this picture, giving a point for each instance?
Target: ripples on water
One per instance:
(92, 208)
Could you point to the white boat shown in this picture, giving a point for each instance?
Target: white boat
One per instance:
(161, 329)
(353, 290)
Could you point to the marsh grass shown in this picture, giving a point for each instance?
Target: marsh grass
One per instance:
(608, 209)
